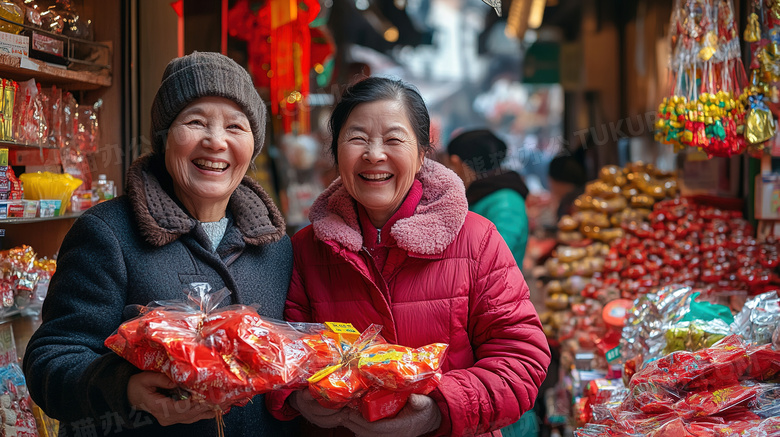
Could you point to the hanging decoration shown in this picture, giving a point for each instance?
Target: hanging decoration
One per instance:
(281, 55)
(707, 107)
(761, 32)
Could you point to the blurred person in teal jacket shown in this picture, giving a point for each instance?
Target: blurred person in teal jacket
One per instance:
(498, 195)
(492, 192)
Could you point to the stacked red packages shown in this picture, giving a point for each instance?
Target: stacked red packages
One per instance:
(377, 377)
(718, 366)
(224, 356)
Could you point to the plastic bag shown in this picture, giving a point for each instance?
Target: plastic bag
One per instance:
(695, 335)
(31, 126)
(709, 403)
(759, 319)
(712, 368)
(87, 135)
(376, 377)
(224, 356)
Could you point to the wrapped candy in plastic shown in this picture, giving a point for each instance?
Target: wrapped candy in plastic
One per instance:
(87, 125)
(706, 403)
(224, 356)
(401, 368)
(715, 367)
(695, 335)
(370, 370)
(759, 318)
(764, 363)
(652, 398)
(340, 383)
(766, 404)
(30, 124)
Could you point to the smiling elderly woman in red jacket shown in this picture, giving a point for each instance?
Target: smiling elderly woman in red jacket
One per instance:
(392, 242)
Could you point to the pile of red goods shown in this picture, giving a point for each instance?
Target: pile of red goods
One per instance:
(376, 377)
(711, 392)
(21, 272)
(224, 357)
(702, 247)
(229, 355)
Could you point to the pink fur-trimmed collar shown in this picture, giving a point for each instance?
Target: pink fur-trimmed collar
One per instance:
(433, 226)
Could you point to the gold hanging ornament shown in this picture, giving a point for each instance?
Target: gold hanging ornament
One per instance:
(753, 29)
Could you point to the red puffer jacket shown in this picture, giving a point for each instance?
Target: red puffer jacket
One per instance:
(449, 277)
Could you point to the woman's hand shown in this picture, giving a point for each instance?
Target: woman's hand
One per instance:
(315, 413)
(144, 393)
(419, 416)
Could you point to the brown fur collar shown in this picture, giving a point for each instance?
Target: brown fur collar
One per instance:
(162, 220)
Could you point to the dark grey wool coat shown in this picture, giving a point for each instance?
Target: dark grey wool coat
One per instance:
(133, 250)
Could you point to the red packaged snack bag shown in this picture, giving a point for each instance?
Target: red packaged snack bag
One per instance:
(706, 403)
(401, 368)
(224, 356)
(341, 383)
(764, 363)
(370, 370)
(652, 398)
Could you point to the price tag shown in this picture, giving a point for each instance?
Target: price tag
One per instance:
(7, 345)
(613, 354)
(342, 328)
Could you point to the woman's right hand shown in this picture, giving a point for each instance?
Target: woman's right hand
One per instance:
(315, 413)
(145, 391)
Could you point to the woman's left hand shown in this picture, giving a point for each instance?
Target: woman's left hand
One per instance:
(419, 416)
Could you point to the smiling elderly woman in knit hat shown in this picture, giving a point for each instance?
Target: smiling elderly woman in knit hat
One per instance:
(190, 215)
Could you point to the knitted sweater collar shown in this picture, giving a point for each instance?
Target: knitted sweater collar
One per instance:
(436, 221)
(162, 220)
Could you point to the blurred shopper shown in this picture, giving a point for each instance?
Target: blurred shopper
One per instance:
(190, 215)
(392, 242)
(492, 192)
(567, 181)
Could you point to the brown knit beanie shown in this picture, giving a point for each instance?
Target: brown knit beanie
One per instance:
(202, 74)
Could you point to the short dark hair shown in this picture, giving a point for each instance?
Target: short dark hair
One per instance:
(568, 169)
(479, 148)
(374, 89)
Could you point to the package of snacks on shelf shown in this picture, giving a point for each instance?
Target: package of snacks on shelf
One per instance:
(224, 356)
(50, 186)
(15, 403)
(30, 125)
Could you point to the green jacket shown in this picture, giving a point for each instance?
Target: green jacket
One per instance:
(499, 199)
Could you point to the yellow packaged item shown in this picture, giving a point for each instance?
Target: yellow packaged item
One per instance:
(50, 186)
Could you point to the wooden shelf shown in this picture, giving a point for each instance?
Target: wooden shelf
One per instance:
(13, 145)
(22, 69)
(20, 221)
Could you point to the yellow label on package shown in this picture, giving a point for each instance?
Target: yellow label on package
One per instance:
(3, 157)
(342, 328)
(381, 357)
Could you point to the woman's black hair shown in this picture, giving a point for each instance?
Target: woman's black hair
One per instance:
(375, 89)
(569, 169)
(480, 149)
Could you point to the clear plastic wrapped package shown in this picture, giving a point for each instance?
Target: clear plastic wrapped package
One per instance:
(376, 377)
(224, 356)
(759, 319)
